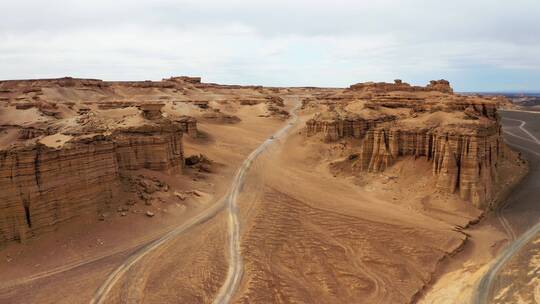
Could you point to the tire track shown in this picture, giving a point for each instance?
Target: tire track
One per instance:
(520, 137)
(504, 222)
(81, 263)
(500, 216)
(522, 128)
(101, 294)
(235, 271)
(484, 287)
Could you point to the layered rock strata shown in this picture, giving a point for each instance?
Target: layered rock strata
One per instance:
(348, 126)
(188, 125)
(460, 135)
(463, 162)
(44, 186)
(155, 147)
(152, 111)
(398, 85)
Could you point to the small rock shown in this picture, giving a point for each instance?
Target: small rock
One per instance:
(123, 214)
(150, 213)
(144, 196)
(353, 156)
(180, 195)
(192, 160)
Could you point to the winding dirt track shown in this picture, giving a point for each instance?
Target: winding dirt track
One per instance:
(234, 274)
(101, 294)
(235, 271)
(485, 285)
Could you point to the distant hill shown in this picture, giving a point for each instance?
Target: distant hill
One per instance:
(527, 101)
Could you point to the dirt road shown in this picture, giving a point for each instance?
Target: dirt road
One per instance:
(235, 263)
(101, 294)
(234, 274)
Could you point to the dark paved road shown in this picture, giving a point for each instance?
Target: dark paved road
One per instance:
(522, 132)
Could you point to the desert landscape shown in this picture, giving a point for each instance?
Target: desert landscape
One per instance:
(181, 191)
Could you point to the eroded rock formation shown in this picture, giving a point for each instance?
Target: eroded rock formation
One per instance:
(71, 146)
(189, 125)
(343, 126)
(398, 85)
(43, 186)
(460, 135)
(463, 162)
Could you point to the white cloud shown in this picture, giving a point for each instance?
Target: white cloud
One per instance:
(275, 42)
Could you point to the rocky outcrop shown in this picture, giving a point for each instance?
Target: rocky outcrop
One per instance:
(462, 162)
(152, 147)
(43, 186)
(108, 105)
(216, 116)
(35, 85)
(188, 125)
(28, 84)
(152, 111)
(398, 85)
(339, 127)
(440, 85)
(29, 133)
(184, 79)
(460, 135)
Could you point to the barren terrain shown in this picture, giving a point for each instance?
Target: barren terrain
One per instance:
(178, 191)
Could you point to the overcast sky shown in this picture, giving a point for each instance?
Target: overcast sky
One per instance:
(479, 45)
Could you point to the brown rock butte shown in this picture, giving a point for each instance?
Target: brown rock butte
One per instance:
(43, 186)
(379, 87)
(46, 185)
(465, 146)
(97, 132)
(188, 125)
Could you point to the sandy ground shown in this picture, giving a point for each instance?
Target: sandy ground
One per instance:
(79, 255)
(519, 281)
(311, 237)
(308, 234)
(458, 280)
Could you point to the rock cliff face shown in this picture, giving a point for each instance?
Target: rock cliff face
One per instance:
(460, 135)
(381, 87)
(44, 186)
(151, 111)
(462, 162)
(152, 147)
(71, 146)
(188, 125)
(339, 127)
